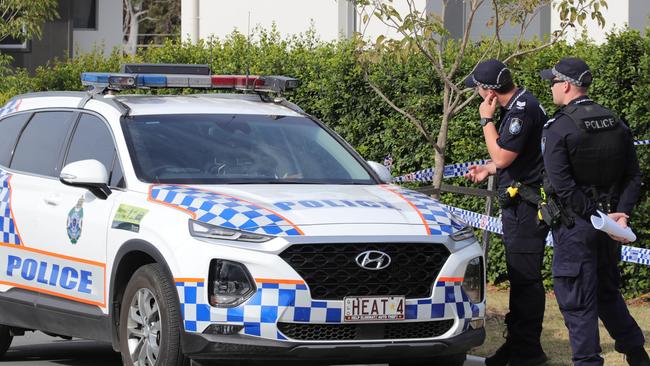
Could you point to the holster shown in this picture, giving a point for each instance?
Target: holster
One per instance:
(553, 213)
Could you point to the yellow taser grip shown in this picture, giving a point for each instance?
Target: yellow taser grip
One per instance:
(512, 191)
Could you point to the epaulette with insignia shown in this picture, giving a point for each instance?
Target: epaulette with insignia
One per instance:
(521, 105)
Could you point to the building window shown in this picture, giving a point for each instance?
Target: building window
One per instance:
(85, 14)
(14, 44)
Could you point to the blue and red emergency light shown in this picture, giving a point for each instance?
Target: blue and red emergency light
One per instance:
(184, 76)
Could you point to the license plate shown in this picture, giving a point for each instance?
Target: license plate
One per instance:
(373, 308)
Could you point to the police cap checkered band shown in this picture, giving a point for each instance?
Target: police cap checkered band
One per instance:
(571, 69)
(489, 74)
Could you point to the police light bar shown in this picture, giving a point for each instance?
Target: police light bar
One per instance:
(122, 81)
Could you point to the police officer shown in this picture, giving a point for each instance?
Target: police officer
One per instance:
(591, 164)
(517, 162)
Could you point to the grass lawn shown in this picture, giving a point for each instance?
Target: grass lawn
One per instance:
(555, 337)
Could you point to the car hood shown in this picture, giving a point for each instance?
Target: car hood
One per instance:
(292, 209)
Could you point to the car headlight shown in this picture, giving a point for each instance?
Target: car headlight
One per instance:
(229, 283)
(200, 229)
(474, 278)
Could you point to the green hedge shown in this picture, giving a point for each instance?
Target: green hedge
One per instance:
(334, 90)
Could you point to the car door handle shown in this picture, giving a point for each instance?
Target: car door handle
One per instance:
(52, 200)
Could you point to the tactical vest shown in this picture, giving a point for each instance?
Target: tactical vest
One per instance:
(597, 151)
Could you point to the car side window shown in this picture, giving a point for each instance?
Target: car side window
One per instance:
(10, 128)
(41, 143)
(93, 140)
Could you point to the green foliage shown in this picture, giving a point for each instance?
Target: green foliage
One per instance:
(334, 90)
(24, 19)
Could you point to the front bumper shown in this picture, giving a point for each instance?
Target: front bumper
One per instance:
(207, 347)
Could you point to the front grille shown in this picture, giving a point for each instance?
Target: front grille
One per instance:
(364, 332)
(332, 273)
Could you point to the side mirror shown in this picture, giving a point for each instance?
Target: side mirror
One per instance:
(382, 171)
(90, 174)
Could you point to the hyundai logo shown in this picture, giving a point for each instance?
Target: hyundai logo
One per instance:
(373, 260)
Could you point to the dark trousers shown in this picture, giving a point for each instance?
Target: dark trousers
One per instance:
(587, 281)
(524, 242)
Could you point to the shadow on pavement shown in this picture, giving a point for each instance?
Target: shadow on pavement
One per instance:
(69, 353)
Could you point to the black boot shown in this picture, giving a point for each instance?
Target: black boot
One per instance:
(637, 357)
(501, 357)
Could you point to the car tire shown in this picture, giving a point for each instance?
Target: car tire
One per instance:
(5, 339)
(153, 338)
(452, 360)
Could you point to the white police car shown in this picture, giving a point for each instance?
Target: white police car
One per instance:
(221, 226)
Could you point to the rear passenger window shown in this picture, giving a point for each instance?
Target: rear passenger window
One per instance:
(41, 143)
(10, 127)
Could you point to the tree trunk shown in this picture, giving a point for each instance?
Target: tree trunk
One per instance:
(134, 30)
(439, 168)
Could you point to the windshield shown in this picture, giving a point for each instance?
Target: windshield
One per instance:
(217, 149)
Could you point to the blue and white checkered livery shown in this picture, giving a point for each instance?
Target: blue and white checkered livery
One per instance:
(292, 303)
(435, 214)
(11, 107)
(223, 210)
(8, 230)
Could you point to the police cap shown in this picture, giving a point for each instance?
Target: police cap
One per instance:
(571, 69)
(489, 74)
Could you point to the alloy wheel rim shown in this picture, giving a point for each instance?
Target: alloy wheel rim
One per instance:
(144, 328)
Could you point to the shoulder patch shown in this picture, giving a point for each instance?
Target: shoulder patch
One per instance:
(515, 126)
(549, 123)
(521, 105)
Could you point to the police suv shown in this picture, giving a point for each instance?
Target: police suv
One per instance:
(221, 226)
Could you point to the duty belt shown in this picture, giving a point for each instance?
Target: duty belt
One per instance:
(519, 192)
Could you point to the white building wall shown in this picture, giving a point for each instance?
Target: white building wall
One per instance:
(108, 33)
(220, 18)
(616, 17)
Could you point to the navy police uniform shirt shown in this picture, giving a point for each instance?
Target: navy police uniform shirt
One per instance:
(557, 144)
(520, 129)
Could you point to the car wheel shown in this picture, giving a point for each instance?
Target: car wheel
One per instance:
(5, 339)
(149, 320)
(452, 360)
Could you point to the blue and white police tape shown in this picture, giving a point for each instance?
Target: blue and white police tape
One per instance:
(426, 175)
(493, 225)
(454, 170)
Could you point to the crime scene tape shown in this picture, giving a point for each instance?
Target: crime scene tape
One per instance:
(493, 224)
(454, 170)
(426, 175)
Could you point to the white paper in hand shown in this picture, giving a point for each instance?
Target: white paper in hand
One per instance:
(605, 223)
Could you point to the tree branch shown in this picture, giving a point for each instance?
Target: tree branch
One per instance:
(468, 28)
(418, 124)
(441, 72)
(497, 28)
(538, 48)
(467, 101)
